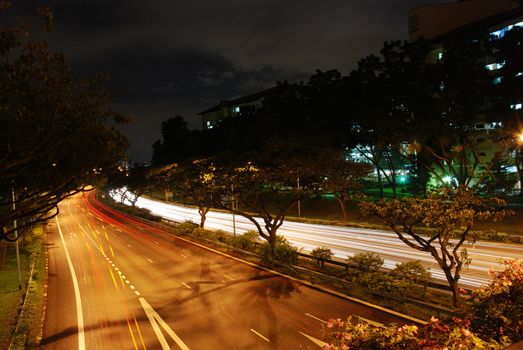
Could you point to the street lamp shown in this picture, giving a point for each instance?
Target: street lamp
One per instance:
(520, 137)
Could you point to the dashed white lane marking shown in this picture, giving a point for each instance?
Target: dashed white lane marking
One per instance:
(118, 230)
(155, 242)
(152, 262)
(140, 228)
(229, 278)
(136, 292)
(186, 285)
(184, 256)
(131, 286)
(129, 246)
(127, 281)
(259, 335)
(316, 318)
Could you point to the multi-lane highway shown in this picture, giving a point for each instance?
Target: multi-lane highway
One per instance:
(346, 241)
(118, 283)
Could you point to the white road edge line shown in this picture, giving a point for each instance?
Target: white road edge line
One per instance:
(154, 318)
(259, 335)
(316, 318)
(79, 312)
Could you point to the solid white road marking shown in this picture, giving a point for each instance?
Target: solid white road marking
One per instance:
(316, 318)
(79, 312)
(318, 342)
(229, 278)
(259, 335)
(186, 285)
(155, 319)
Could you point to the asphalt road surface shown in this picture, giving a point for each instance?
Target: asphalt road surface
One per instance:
(117, 283)
(347, 241)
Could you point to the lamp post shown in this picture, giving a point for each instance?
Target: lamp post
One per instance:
(517, 160)
(16, 242)
(299, 204)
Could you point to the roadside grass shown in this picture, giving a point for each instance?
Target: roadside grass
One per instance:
(13, 307)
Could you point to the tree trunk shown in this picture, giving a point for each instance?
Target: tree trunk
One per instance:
(343, 205)
(380, 182)
(454, 286)
(202, 210)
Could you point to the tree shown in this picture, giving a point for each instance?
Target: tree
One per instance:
(382, 89)
(438, 224)
(343, 178)
(55, 131)
(197, 180)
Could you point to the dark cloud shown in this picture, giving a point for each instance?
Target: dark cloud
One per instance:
(170, 57)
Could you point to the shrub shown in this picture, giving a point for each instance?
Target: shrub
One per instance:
(321, 254)
(412, 273)
(497, 310)
(245, 241)
(221, 236)
(187, 227)
(202, 233)
(366, 262)
(282, 251)
(435, 335)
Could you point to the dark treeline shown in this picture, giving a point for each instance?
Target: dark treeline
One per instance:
(404, 105)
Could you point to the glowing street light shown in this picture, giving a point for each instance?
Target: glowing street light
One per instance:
(520, 137)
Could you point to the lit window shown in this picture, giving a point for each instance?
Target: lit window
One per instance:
(209, 124)
(519, 74)
(440, 56)
(497, 80)
(516, 106)
(495, 66)
(236, 110)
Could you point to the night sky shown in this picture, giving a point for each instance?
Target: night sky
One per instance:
(171, 57)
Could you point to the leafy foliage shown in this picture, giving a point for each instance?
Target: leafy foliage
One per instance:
(430, 224)
(245, 241)
(282, 251)
(366, 262)
(321, 254)
(497, 309)
(435, 335)
(55, 131)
